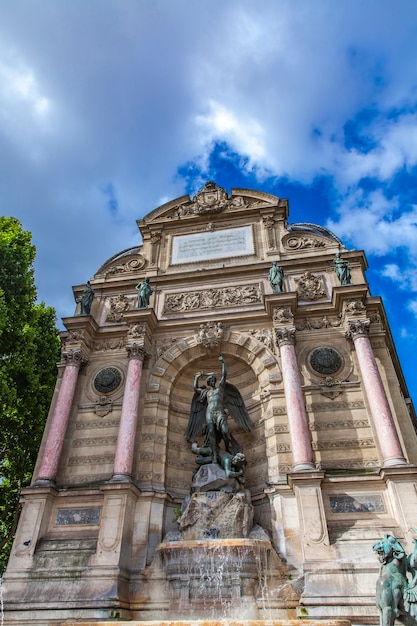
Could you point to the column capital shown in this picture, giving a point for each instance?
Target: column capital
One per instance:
(357, 328)
(75, 357)
(136, 351)
(285, 335)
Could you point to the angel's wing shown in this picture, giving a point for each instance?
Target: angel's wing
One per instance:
(236, 407)
(197, 417)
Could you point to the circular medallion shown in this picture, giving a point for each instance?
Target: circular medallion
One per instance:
(325, 361)
(107, 380)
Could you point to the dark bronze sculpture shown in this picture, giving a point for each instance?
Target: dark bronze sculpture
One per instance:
(396, 596)
(276, 278)
(342, 270)
(210, 408)
(144, 293)
(86, 299)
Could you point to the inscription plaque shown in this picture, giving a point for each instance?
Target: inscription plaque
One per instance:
(357, 504)
(67, 517)
(212, 245)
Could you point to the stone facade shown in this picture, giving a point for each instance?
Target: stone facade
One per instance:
(331, 460)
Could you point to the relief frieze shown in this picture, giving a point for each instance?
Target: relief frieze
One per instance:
(94, 441)
(318, 323)
(92, 460)
(110, 423)
(212, 298)
(340, 425)
(343, 444)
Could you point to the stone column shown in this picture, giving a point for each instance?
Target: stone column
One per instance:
(386, 432)
(297, 416)
(123, 461)
(55, 439)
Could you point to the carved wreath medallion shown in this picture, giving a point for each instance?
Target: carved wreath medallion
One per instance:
(107, 380)
(325, 361)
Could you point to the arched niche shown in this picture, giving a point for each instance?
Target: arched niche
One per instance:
(164, 462)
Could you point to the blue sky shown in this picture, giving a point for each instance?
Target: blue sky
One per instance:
(108, 108)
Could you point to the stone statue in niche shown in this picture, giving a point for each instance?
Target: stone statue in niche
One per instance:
(86, 299)
(396, 595)
(342, 270)
(144, 293)
(210, 408)
(276, 278)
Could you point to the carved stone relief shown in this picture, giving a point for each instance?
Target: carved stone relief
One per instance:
(264, 335)
(212, 298)
(212, 199)
(282, 316)
(354, 307)
(211, 334)
(310, 287)
(118, 305)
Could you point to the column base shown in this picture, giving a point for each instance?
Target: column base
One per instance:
(303, 467)
(121, 478)
(44, 482)
(395, 461)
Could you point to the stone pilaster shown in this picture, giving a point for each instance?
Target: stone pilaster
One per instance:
(389, 443)
(55, 439)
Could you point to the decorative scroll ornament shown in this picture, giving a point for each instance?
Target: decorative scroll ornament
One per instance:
(300, 242)
(354, 307)
(211, 334)
(358, 328)
(283, 316)
(285, 336)
(212, 298)
(331, 388)
(310, 287)
(134, 264)
(118, 305)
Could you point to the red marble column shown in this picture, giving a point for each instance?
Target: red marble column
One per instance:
(386, 431)
(123, 461)
(55, 439)
(294, 398)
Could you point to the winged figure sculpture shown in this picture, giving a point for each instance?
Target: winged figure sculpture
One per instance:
(210, 408)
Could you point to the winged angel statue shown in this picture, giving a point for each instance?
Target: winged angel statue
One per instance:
(210, 408)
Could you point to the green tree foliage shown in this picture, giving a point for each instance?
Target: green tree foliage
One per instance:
(29, 350)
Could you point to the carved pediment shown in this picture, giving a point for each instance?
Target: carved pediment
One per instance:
(209, 200)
